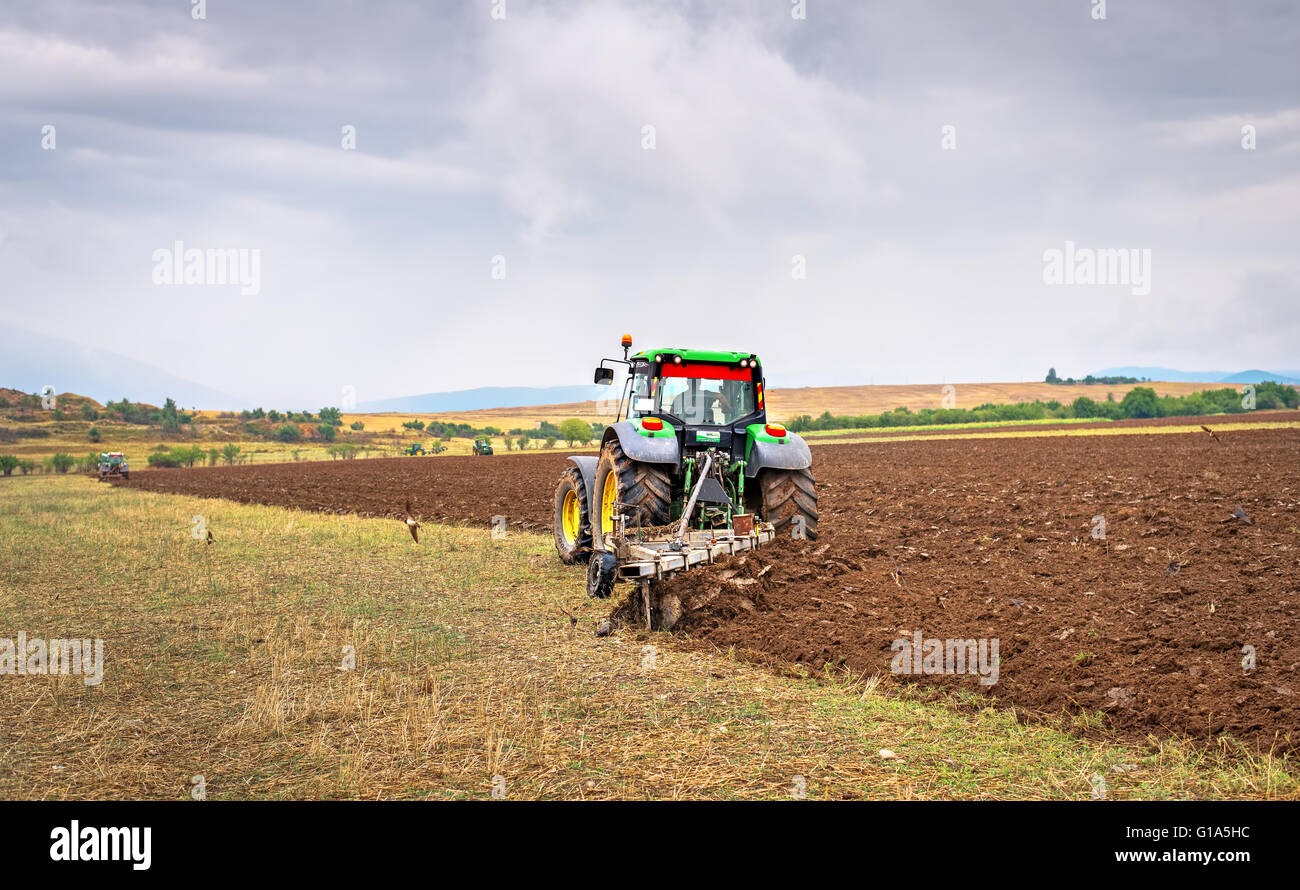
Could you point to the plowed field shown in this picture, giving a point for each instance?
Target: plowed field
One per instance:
(1182, 618)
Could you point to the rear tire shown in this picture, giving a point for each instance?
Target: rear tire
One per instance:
(572, 533)
(786, 494)
(644, 490)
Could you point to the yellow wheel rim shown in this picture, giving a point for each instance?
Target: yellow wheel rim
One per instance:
(569, 516)
(608, 497)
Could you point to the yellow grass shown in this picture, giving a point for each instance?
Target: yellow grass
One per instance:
(227, 662)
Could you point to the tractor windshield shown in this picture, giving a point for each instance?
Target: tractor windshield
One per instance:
(711, 395)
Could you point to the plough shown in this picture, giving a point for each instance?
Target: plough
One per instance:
(648, 561)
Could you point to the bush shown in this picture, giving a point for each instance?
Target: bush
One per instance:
(288, 432)
(332, 416)
(230, 451)
(60, 462)
(327, 432)
(9, 463)
(550, 441)
(358, 425)
(93, 434)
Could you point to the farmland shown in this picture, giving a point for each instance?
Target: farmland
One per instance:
(475, 657)
(996, 539)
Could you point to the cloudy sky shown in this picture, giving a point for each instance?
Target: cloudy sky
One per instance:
(524, 189)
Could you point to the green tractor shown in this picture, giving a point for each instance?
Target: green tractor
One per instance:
(113, 463)
(482, 445)
(413, 450)
(691, 436)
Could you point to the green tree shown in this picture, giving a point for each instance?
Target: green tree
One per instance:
(332, 416)
(93, 434)
(171, 421)
(550, 441)
(1140, 401)
(288, 432)
(575, 431)
(1051, 376)
(230, 451)
(358, 425)
(213, 456)
(9, 463)
(522, 442)
(327, 431)
(1084, 407)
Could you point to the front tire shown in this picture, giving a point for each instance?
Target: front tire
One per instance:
(644, 491)
(786, 494)
(572, 518)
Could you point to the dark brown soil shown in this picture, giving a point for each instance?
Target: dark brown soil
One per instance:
(987, 539)
(993, 539)
(441, 489)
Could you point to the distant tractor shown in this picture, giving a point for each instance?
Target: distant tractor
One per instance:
(412, 450)
(694, 442)
(113, 463)
(482, 445)
(438, 448)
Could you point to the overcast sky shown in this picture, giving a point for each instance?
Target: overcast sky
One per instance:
(774, 137)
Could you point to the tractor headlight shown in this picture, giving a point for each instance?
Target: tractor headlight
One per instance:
(677, 360)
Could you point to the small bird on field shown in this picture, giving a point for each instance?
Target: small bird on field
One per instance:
(1241, 514)
(411, 525)
(1213, 434)
(209, 536)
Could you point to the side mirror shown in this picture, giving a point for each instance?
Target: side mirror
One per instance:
(604, 376)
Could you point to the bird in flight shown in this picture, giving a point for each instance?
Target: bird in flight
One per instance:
(412, 526)
(1213, 434)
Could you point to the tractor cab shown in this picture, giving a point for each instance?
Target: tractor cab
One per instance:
(482, 446)
(706, 399)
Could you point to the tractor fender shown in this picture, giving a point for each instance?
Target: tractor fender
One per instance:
(657, 450)
(794, 455)
(587, 467)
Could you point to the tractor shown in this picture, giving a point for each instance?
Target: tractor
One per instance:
(690, 439)
(113, 463)
(482, 445)
(413, 450)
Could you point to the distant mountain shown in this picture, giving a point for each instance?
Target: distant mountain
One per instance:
(487, 397)
(30, 361)
(1173, 375)
(1257, 376)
